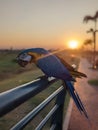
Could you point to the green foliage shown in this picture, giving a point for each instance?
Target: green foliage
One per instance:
(93, 82)
(6, 62)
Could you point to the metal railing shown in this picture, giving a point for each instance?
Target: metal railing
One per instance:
(11, 99)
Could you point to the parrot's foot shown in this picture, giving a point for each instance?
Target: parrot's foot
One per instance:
(42, 77)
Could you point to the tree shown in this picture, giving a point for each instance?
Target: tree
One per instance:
(88, 42)
(88, 51)
(93, 18)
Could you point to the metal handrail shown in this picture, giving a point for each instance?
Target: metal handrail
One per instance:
(11, 99)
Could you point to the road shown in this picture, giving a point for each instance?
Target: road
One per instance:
(89, 96)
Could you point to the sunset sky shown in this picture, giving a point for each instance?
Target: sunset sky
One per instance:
(44, 23)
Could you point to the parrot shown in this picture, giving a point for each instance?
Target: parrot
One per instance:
(52, 66)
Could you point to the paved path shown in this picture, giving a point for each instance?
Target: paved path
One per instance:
(89, 96)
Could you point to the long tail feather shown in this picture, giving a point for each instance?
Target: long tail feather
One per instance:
(76, 98)
(78, 74)
(85, 112)
(81, 74)
(71, 90)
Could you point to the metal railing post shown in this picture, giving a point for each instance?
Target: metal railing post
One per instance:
(57, 117)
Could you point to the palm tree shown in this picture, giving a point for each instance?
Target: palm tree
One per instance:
(88, 44)
(93, 18)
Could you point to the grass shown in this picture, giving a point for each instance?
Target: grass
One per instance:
(7, 62)
(19, 79)
(9, 66)
(11, 75)
(93, 82)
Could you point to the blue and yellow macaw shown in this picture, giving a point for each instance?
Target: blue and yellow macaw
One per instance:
(52, 66)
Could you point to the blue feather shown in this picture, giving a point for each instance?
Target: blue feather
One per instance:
(76, 98)
(52, 66)
(36, 50)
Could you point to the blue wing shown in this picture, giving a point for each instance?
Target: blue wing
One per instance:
(52, 66)
(76, 98)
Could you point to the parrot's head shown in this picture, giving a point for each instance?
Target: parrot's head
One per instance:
(30, 56)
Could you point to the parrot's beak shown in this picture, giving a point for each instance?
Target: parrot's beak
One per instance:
(22, 63)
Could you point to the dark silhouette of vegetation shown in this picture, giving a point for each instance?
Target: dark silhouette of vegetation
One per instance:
(94, 19)
(88, 42)
(93, 82)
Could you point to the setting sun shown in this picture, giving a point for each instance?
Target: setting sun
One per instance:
(73, 44)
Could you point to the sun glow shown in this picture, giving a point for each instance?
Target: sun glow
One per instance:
(73, 44)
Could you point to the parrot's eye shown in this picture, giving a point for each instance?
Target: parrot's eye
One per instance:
(23, 56)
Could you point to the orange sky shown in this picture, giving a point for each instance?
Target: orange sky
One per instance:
(44, 23)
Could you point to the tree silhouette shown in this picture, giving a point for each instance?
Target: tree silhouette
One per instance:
(93, 18)
(88, 42)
